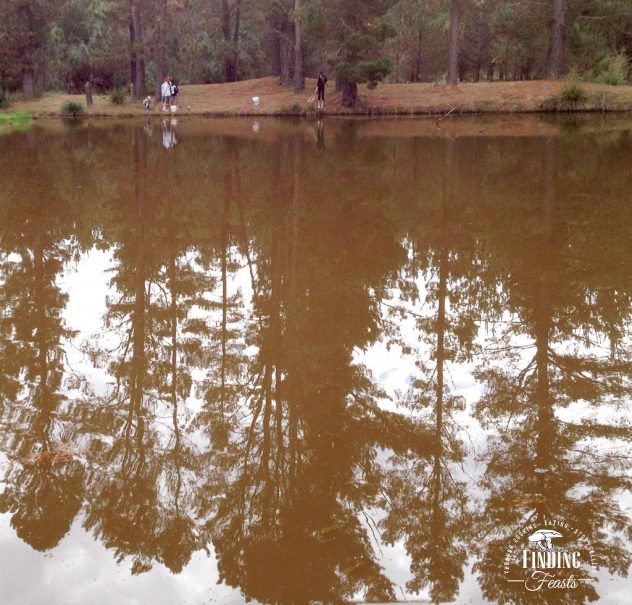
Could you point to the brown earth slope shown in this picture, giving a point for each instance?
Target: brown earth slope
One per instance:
(386, 99)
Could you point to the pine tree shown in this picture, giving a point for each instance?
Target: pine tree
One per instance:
(358, 32)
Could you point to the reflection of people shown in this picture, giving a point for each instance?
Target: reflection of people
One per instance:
(165, 93)
(169, 140)
(148, 127)
(320, 135)
(320, 89)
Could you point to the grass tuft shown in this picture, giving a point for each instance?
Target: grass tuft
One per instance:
(71, 109)
(571, 98)
(117, 96)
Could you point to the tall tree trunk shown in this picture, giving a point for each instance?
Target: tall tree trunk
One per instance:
(417, 70)
(140, 300)
(137, 53)
(27, 52)
(490, 70)
(226, 20)
(236, 39)
(132, 50)
(557, 54)
(349, 93)
(453, 52)
(543, 319)
(231, 39)
(299, 76)
(237, 29)
(28, 82)
(274, 46)
(286, 54)
(442, 295)
(40, 314)
(228, 194)
(545, 418)
(437, 527)
(161, 55)
(441, 330)
(480, 43)
(173, 307)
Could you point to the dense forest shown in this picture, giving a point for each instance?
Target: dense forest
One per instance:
(62, 44)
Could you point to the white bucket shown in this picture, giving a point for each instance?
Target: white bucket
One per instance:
(255, 101)
(174, 108)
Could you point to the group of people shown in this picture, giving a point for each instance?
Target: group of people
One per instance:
(169, 93)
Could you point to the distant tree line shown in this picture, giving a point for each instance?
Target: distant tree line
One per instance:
(62, 44)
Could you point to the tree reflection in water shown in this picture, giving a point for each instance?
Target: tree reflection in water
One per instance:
(561, 350)
(246, 283)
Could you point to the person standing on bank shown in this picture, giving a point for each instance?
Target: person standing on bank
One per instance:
(173, 87)
(165, 93)
(320, 89)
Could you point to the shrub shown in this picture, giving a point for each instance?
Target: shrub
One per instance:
(613, 70)
(117, 96)
(570, 98)
(4, 99)
(572, 95)
(71, 109)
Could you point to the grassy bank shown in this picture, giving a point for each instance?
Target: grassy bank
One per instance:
(387, 99)
(16, 120)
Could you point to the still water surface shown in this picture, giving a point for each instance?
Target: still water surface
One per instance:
(297, 362)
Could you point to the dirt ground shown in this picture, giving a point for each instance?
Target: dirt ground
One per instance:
(386, 99)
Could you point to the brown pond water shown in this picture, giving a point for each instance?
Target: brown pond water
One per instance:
(314, 362)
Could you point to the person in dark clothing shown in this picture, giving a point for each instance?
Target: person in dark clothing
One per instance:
(175, 91)
(320, 89)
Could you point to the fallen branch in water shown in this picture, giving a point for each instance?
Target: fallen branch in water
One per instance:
(443, 117)
(446, 115)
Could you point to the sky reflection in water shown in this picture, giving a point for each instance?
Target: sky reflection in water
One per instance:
(311, 362)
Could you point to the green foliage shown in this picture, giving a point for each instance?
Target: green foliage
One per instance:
(355, 34)
(613, 70)
(570, 98)
(17, 120)
(84, 46)
(71, 109)
(24, 32)
(62, 45)
(572, 95)
(373, 72)
(117, 96)
(4, 99)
